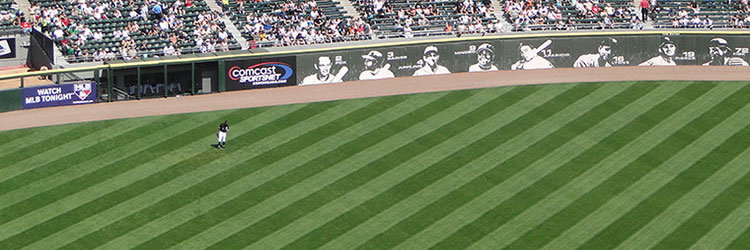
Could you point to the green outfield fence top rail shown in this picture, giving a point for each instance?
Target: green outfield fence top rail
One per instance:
(384, 44)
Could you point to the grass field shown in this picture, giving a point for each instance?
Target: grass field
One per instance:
(628, 165)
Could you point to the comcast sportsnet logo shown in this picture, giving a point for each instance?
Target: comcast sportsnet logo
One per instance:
(262, 73)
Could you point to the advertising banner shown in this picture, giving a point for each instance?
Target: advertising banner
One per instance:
(7, 48)
(260, 73)
(59, 95)
(612, 50)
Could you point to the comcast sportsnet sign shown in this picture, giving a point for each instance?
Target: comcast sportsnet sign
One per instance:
(258, 73)
(262, 73)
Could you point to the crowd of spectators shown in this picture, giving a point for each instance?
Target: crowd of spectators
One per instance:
(292, 23)
(147, 28)
(555, 15)
(12, 18)
(741, 17)
(460, 17)
(139, 28)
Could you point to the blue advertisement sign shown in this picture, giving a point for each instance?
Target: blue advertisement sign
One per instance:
(58, 95)
(259, 73)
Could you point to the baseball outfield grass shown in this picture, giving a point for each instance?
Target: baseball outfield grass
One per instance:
(596, 166)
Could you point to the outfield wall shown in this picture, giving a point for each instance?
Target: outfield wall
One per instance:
(237, 71)
(507, 53)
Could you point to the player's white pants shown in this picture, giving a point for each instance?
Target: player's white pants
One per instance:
(222, 136)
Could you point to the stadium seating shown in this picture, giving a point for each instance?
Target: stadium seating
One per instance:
(679, 14)
(84, 31)
(564, 15)
(9, 19)
(147, 35)
(405, 18)
(285, 23)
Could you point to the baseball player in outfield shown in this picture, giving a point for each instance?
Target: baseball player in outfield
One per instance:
(222, 134)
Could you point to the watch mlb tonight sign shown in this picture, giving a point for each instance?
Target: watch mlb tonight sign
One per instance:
(59, 95)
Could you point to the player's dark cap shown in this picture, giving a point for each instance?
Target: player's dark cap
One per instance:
(665, 40)
(372, 55)
(718, 42)
(610, 41)
(430, 49)
(486, 46)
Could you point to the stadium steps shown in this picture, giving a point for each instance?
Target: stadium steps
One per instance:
(235, 32)
(24, 5)
(229, 24)
(500, 14)
(349, 8)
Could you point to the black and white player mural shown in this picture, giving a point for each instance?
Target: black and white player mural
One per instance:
(722, 54)
(326, 71)
(430, 63)
(530, 58)
(603, 57)
(667, 51)
(485, 59)
(375, 66)
(485, 54)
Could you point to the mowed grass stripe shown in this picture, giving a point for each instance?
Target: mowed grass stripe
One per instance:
(265, 174)
(384, 220)
(47, 205)
(9, 136)
(325, 178)
(730, 228)
(425, 177)
(38, 165)
(268, 189)
(314, 185)
(742, 242)
(591, 213)
(337, 189)
(508, 209)
(14, 140)
(697, 199)
(600, 216)
(591, 114)
(637, 217)
(371, 189)
(103, 219)
(508, 186)
(184, 193)
(82, 211)
(534, 216)
(42, 146)
(720, 206)
(146, 137)
(397, 138)
(41, 199)
(69, 154)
